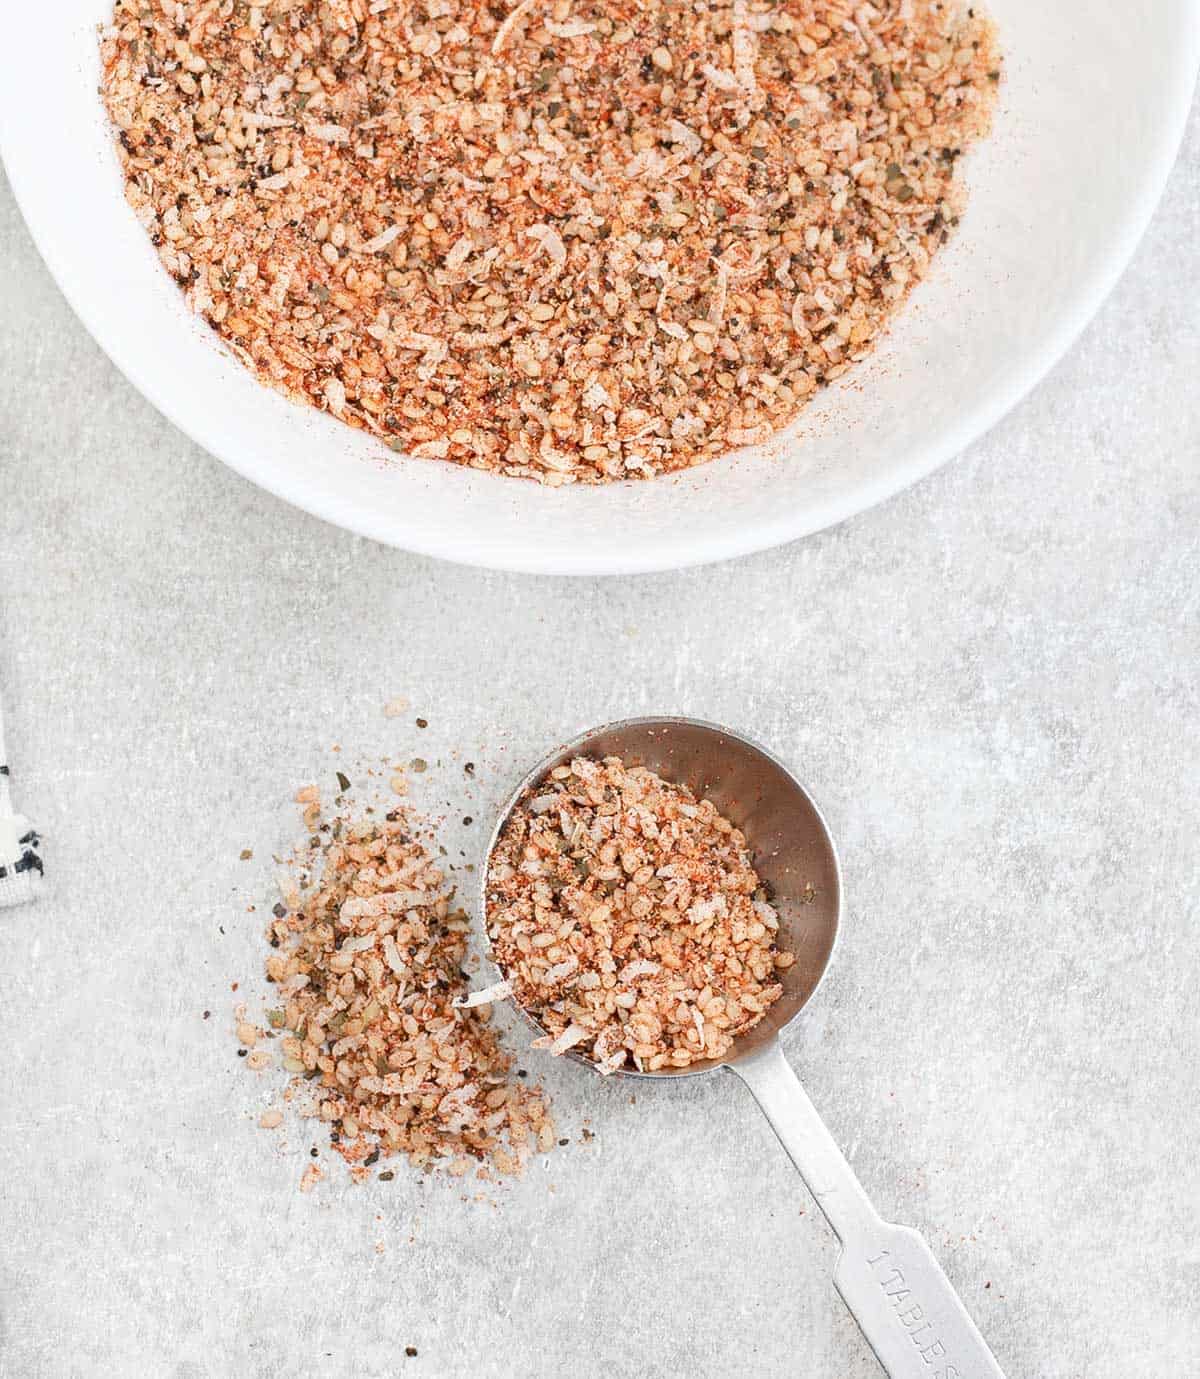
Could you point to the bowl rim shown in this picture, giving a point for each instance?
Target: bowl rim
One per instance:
(68, 266)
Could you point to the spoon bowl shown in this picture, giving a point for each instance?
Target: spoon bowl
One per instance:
(788, 838)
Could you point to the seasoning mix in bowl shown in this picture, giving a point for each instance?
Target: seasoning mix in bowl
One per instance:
(574, 242)
(628, 920)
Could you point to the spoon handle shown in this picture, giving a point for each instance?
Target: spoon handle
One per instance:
(887, 1275)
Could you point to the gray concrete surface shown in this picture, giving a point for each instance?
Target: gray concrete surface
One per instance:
(990, 683)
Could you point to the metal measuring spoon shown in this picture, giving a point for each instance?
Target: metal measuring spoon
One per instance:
(887, 1275)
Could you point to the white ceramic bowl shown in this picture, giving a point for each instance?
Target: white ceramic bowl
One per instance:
(1094, 103)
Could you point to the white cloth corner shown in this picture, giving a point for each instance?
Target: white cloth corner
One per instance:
(20, 865)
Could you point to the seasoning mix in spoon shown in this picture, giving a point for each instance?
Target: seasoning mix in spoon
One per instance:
(628, 918)
(567, 240)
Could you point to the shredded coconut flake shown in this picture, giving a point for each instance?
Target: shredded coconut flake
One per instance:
(588, 183)
(330, 133)
(685, 135)
(485, 996)
(551, 241)
(716, 307)
(572, 1035)
(745, 47)
(335, 395)
(381, 240)
(570, 28)
(510, 22)
(458, 253)
(719, 77)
